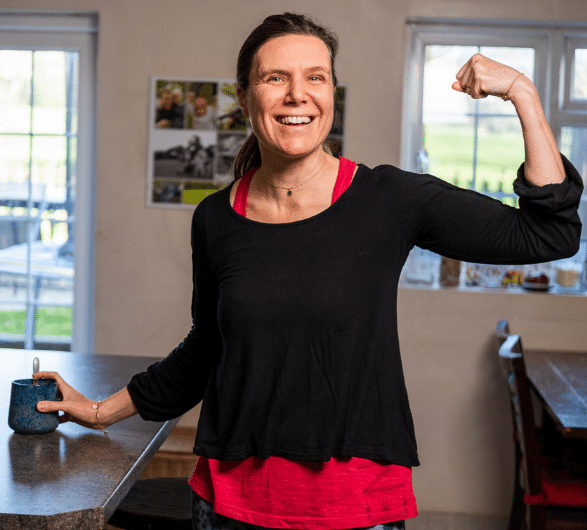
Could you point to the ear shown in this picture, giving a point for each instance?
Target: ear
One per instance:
(242, 100)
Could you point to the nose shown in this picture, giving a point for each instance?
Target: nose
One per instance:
(297, 93)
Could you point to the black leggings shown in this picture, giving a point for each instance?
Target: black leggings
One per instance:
(204, 518)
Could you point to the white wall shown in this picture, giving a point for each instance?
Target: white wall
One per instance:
(143, 284)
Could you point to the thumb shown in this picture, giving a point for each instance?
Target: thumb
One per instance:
(457, 86)
(49, 406)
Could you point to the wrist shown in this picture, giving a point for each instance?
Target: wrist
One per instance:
(523, 92)
(99, 420)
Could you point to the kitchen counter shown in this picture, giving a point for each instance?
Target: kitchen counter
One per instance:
(73, 478)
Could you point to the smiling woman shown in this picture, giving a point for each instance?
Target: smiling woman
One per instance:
(290, 103)
(294, 349)
(273, 27)
(291, 110)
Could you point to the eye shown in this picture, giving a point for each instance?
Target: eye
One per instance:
(274, 79)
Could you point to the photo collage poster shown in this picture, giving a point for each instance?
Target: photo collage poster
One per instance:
(196, 130)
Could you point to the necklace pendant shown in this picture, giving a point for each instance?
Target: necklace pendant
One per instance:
(289, 192)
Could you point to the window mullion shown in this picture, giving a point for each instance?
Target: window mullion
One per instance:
(30, 291)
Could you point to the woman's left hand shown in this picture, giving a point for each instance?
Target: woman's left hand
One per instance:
(481, 77)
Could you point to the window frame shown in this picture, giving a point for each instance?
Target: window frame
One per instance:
(572, 42)
(77, 32)
(554, 44)
(422, 33)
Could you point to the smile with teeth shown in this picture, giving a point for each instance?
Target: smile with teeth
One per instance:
(294, 120)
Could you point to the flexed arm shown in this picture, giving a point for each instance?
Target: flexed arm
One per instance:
(481, 77)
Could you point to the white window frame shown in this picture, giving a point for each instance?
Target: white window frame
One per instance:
(74, 31)
(554, 45)
(572, 41)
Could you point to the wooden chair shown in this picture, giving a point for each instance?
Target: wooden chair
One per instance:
(502, 331)
(544, 497)
(155, 504)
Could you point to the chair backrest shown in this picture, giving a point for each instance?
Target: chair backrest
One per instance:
(502, 331)
(512, 362)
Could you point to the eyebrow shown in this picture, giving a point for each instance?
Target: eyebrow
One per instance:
(311, 69)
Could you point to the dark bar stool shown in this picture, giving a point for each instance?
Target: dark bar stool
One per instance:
(156, 504)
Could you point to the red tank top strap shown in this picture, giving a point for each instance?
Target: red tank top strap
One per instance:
(242, 192)
(346, 169)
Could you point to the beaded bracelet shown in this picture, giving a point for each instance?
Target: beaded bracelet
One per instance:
(96, 407)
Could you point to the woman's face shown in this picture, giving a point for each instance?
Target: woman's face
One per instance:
(290, 98)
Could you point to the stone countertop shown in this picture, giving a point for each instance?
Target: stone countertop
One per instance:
(73, 478)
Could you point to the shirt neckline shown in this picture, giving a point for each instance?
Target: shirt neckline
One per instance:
(246, 220)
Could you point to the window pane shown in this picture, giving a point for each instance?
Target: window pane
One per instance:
(446, 123)
(500, 152)
(15, 90)
(49, 92)
(49, 159)
(14, 158)
(53, 322)
(579, 86)
(440, 69)
(450, 148)
(472, 143)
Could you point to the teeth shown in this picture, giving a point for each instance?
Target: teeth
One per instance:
(293, 120)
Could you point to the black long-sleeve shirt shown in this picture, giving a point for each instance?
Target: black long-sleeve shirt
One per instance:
(294, 346)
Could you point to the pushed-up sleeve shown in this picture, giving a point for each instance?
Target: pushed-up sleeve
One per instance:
(469, 226)
(173, 386)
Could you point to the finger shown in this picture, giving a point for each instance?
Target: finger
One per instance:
(73, 411)
(66, 389)
(463, 69)
(49, 375)
(457, 86)
(50, 406)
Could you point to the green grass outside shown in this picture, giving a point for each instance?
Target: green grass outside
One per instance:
(51, 322)
(450, 149)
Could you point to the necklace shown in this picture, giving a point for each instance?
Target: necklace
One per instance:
(289, 188)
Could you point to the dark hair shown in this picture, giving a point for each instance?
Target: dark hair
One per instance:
(274, 26)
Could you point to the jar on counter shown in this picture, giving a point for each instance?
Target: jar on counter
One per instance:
(568, 273)
(450, 272)
(538, 277)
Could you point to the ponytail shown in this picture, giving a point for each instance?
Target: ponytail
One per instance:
(248, 157)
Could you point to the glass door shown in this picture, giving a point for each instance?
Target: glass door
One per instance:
(38, 139)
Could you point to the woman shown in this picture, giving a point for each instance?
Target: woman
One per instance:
(305, 421)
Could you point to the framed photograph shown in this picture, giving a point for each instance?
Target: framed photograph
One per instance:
(196, 128)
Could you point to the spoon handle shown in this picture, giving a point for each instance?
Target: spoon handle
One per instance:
(35, 369)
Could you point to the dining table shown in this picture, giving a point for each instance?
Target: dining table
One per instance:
(73, 477)
(559, 379)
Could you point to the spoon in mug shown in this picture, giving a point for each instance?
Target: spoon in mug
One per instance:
(35, 370)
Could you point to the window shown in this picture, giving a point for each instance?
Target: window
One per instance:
(46, 181)
(478, 144)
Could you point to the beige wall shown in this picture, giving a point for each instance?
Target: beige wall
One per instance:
(143, 255)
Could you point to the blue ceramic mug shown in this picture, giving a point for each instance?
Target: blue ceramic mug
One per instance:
(23, 416)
